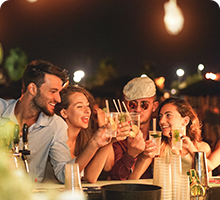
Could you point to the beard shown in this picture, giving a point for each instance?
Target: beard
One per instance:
(40, 104)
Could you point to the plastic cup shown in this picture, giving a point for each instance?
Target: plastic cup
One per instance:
(157, 163)
(155, 136)
(177, 132)
(111, 119)
(183, 190)
(123, 117)
(135, 119)
(176, 170)
(72, 177)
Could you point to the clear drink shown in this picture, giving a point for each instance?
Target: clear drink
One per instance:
(122, 117)
(135, 119)
(177, 133)
(111, 119)
(155, 136)
(135, 123)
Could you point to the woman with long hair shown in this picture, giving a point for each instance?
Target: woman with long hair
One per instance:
(175, 112)
(87, 138)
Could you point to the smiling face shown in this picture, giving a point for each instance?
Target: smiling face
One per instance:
(170, 117)
(78, 113)
(47, 96)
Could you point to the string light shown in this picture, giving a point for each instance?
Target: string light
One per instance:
(173, 18)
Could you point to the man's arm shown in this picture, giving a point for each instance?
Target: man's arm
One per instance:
(125, 158)
(59, 152)
(123, 163)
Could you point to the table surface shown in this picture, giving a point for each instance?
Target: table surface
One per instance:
(47, 186)
(42, 187)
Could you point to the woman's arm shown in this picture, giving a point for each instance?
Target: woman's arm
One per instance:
(98, 140)
(141, 166)
(214, 157)
(103, 159)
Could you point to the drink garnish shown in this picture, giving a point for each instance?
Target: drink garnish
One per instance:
(196, 189)
(113, 124)
(176, 135)
(134, 131)
(155, 135)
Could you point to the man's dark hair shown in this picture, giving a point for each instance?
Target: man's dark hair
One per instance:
(36, 70)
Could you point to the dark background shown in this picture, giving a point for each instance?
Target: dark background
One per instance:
(77, 34)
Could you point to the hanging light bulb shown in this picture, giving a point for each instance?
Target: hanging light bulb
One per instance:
(31, 1)
(173, 18)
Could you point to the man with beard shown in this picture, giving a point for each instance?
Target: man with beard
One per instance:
(131, 154)
(41, 84)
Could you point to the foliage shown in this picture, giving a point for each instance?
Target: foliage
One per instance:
(107, 70)
(189, 81)
(15, 64)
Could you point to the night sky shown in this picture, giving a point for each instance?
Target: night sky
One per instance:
(78, 34)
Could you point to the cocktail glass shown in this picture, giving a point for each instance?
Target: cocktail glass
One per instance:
(155, 136)
(177, 133)
(122, 117)
(111, 119)
(134, 119)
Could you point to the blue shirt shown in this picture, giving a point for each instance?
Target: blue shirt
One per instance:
(46, 137)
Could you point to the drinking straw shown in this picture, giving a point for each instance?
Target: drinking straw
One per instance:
(126, 110)
(107, 107)
(119, 105)
(116, 106)
(154, 124)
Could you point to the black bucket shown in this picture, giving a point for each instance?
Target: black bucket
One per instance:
(131, 192)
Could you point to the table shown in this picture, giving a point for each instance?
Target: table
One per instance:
(214, 184)
(93, 190)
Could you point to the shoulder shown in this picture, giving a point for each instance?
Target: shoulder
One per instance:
(217, 146)
(5, 103)
(56, 122)
(204, 146)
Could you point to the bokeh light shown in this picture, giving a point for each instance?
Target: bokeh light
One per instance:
(78, 75)
(32, 1)
(201, 67)
(180, 72)
(210, 75)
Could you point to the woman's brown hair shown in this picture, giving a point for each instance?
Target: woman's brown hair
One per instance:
(84, 134)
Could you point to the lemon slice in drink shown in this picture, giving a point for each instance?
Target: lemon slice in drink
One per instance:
(197, 190)
(134, 131)
(113, 124)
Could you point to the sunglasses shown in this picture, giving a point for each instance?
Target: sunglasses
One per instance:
(134, 104)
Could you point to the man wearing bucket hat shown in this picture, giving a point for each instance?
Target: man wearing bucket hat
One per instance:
(130, 158)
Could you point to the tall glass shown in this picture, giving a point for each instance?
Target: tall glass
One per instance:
(177, 133)
(155, 136)
(134, 119)
(111, 119)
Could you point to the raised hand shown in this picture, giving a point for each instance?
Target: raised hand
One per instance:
(100, 137)
(123, 131)
(150, 147)
(136, 145)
